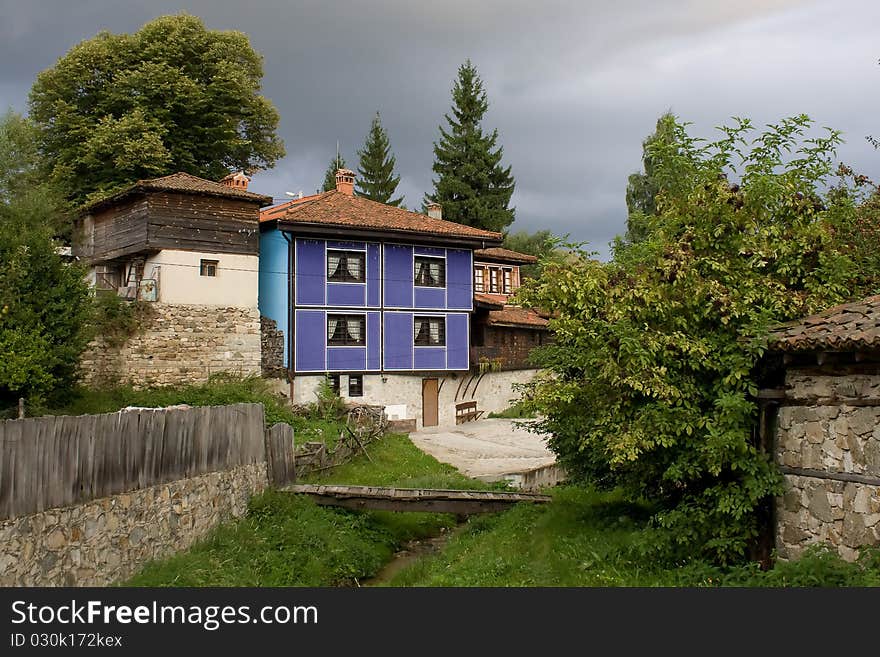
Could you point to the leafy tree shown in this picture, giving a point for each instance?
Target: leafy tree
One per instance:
(43, 300)
(656, 353)
(541, 243)
(642, 188)
(376, 180)
(472, 185)
(173, 96)
(337, 163)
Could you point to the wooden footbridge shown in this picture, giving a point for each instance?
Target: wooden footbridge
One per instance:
(460, 502)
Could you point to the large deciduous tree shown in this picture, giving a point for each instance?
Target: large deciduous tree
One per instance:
(174, 96)
(44, 304)
(657, 352)
(376, 180)
(642, 188)
(541, 244)
(472, 185)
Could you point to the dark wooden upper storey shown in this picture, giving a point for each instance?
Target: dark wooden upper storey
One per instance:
(180, 211)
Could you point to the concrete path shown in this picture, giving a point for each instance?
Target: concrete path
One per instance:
(489, 450)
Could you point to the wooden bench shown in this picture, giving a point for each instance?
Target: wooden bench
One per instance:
(466, 411)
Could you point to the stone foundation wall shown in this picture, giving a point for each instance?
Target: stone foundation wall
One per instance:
(179, 344)
(107, 540)
(821, 446)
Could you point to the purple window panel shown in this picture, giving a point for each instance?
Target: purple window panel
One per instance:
(398, 341)
(457, 342)
(429, 250)
(357, 246)
(430, 297)
(345, 294)
(459, 279)
(374, 345)
(398, 276)
(430, 358)
(310, 336)
(373, 286)
(311, 271)
(347, 359)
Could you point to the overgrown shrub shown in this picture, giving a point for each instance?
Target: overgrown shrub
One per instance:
(655, 352)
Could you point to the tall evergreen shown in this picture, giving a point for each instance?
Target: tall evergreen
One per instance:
(641, 188)
(338, 162)
(472, 186)
(376, 180)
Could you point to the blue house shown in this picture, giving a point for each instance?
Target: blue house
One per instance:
(374, 297)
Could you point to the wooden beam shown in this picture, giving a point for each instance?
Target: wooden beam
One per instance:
(835, 476)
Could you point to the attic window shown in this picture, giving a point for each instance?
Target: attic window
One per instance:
(208, 267)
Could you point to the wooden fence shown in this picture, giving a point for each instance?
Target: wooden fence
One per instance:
(50, 462)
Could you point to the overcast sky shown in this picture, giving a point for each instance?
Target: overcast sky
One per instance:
(573, 87)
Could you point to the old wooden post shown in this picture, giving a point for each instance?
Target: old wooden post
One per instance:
(280, 465)
(21, 408)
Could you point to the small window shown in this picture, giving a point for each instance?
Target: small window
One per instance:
(334, 382)
(430, 272)
(493, 280)
(507, 281)
(208, 267)
(479, 279)
(346, 330)
(429, 331)
(346, 266)
(355, 385)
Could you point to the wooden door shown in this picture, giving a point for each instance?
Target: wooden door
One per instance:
(430, 403)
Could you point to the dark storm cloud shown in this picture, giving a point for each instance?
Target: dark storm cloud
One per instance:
(574, 86)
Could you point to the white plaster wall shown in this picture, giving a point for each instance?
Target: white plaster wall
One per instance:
(235, 284)
(494, 393)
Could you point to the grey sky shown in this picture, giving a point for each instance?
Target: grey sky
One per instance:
(573, 87)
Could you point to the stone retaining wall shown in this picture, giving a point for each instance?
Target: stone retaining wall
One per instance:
(179, 344)
(107, 540)
(831, 441)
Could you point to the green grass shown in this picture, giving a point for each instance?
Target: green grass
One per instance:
(287, 540)
(221, 389)
(585, 538)
(516, 412)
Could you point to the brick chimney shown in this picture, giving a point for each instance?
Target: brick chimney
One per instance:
(236, 181)
(345, 181)
(435, 211)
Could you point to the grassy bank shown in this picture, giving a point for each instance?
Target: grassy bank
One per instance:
(287, 540)
(586, 538)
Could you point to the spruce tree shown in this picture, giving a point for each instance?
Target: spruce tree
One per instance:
(338, 162)
(472, 186)
(641, 188)
(376, 180)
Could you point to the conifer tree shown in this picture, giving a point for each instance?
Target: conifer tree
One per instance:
(472, 186)
(338, 162)
(376, 180)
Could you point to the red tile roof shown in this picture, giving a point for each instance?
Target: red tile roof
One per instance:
(504, 255)
(182, 182)
(342, 210)
(516, 316)
(847, 327)
(491, 300)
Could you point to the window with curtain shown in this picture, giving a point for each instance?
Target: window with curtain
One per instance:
(429, 331)
(345, 266)
(430, 272)
(479, 279)
(507, 281)
(346, 330)
(493, 280)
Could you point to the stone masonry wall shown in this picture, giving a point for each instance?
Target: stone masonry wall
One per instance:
(272, 349)
(828, 436)
(107, 540)
(180, 344)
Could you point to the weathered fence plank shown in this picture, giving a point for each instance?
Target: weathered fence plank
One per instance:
(280, 455)
(57, 461)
